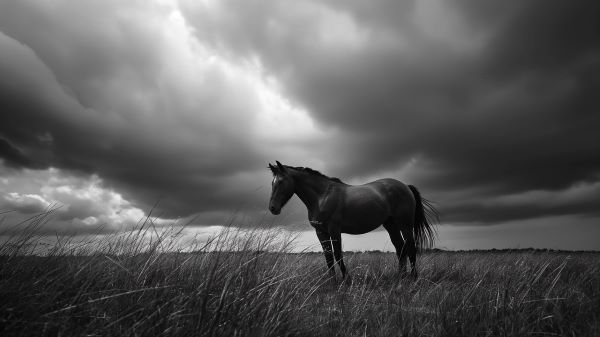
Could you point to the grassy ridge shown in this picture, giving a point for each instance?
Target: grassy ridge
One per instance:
(132, 289)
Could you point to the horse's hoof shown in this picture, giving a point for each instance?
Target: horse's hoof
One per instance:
(347, 279)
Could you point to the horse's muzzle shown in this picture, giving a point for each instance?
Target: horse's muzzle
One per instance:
(274, 210)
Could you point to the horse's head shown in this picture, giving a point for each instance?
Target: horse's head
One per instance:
(282, 187)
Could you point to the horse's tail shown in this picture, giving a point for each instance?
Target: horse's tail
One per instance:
(425, 216)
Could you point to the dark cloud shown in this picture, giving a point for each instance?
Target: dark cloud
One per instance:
(472, 101)
(100, 101)
(545, 36)
(578, 199)
(13, 156)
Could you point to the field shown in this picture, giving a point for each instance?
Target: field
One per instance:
(134, 287)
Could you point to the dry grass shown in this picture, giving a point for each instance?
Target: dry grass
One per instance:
(130, 286)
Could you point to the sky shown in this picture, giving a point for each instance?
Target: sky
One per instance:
(112, 110)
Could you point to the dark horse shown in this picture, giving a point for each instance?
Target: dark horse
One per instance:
(335, 208)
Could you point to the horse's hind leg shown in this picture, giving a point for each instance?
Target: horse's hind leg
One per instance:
(398, 242)
(410, 249)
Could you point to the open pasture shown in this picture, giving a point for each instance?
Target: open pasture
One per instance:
(217, 292)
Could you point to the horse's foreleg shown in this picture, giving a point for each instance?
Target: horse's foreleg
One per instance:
(336, 240)
(325, 240)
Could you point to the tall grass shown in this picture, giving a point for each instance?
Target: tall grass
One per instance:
(242, 283)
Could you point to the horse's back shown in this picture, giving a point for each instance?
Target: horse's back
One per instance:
(399, 197)
(370, 205)
(394, 190)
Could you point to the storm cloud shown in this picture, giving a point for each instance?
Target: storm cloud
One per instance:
(488, 107)
(498, 98)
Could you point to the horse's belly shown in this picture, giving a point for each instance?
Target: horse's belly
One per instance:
(364, 211)
(360, 223)
(358, 228)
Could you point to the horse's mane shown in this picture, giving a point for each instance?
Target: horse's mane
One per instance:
(315, 172)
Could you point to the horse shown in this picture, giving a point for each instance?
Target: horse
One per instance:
(335, 207)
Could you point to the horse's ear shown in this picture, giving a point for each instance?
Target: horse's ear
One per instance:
(280, 167)
(272, 168)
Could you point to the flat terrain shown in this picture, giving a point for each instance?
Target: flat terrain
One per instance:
(143, 292)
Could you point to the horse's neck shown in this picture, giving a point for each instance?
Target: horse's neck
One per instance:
(311, 189)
